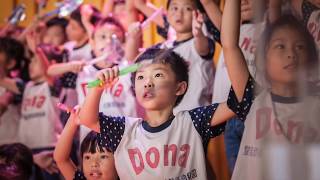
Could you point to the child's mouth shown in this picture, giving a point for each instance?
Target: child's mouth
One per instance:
(292, 66)
(95, 174)
(148, 95)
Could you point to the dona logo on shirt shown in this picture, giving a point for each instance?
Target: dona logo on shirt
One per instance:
(139, 160)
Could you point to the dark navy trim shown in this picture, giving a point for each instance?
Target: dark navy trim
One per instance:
(163, 126)
(81, 46)
(284, 100)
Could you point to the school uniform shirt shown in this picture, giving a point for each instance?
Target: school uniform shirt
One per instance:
(311, 20)
(200, 73)
(9, 122)
(40, 124)
(249, 34)
(117, 100)
(173, 150)
(272, 122)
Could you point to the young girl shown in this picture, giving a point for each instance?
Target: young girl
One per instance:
(278, 115)
(97, 161)
(163, 146)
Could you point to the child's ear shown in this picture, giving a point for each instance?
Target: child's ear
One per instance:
(181, 88)
(11, 64)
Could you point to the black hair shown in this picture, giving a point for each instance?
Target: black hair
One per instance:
(166, 56)
(91, 144)
(116, 2)
(291, 22)
(12, 49)
(56, 21)
(95, 17)
(18, 161)
(197, 3)
(110, 20)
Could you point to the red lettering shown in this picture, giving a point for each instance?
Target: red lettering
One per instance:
(183, 159)
(156, 155)
(118, 91)
(173, 148)
(294, 131)
(245, 43)
(277, 127)
(41, 101)
(132, 152)
(263, 117)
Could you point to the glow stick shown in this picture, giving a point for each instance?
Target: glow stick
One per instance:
(151, 18)
(129, 69)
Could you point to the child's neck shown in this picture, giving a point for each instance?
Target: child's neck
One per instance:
(156, 118)
(81, 42)
(39, 79)
(285, 90)
(184, 36)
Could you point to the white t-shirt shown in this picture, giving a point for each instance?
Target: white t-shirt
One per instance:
(200, 76)
(247, 42)
(9, 122)
(170, 151)
(40, 124)
(273, 122)
(117, 100)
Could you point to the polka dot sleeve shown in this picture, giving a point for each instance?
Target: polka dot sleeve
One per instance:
(79, 175)
(307, 9)
(201, 118)
(111, 131)
(241, 109)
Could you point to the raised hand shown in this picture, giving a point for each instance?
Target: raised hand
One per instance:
(197, 23)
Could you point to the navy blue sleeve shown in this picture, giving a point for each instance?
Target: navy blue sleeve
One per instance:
(201, 118)
(56, 88)
(163, 31)
(17, 98)
(79, 175)
(213, 30)
(111, 131)
(69, 80)
(210, 54)
(307, 9)
(241, 109)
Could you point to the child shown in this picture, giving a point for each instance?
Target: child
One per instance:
(97, 161)
(16, 162)
(11, 59)
(193, 46)
(55, 33)
(277, 116)
(118, 99)
(142, 147)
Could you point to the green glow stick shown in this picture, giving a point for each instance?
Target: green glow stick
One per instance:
(129, 69)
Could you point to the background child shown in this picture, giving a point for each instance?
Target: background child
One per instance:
(97, 161)
(287, 55)
(55, 33)
(193, 46)
(12, 58)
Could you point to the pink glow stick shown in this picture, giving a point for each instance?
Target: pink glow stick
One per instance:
(151, 18)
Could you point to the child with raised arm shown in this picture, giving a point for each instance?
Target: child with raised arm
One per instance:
(164, 145)
(196, 48)
(278, 115)
(97, 161)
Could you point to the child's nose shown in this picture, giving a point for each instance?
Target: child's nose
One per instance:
(148, 84)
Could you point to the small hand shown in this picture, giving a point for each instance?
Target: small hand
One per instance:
(76, 66)
(108, 75)
(197, 23)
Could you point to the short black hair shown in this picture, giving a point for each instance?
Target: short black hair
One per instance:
(166, 56)
(197, 3)
(56, 21)
(110, 20)
(18, 158)
(13, 49)
(95, 17)
(91, 144)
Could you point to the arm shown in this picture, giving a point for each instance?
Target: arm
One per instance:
(61, 68)
(10, 84)
(201, 42)
(148, 9)
(88, 115)
(296, 7)
(274, 11)
(133, 41)
(213, 12)
(107, 8)
(63, 148)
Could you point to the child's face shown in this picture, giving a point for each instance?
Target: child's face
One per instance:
(286, 56)
(247, 10)
(156, 87)
(102, 38)
(99, 165)
(36, 68)
(180, 15)
(54, 35)
(74, 31)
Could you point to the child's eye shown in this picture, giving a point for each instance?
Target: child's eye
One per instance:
(280, 46)
(103, 156)
(139, 77)
(159, 75)
(300, 46)
(86, 157)
(103, 37)
(189, 9)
